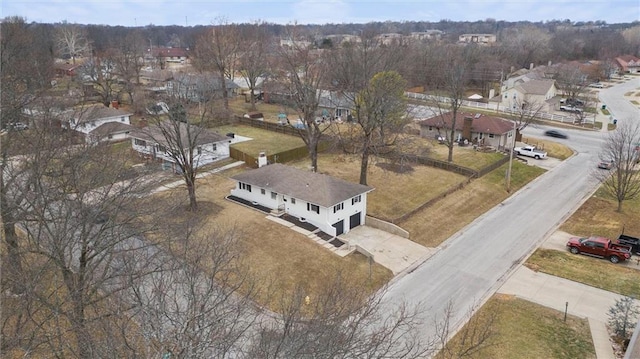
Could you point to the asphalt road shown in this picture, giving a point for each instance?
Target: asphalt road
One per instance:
(474, 262)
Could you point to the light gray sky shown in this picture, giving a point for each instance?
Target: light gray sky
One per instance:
(205, 12)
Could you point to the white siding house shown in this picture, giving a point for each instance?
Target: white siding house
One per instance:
(100, 123)
(533, 91)
(332, 205)
(209, 146)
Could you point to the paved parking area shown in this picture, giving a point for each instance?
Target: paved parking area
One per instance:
(392, 251)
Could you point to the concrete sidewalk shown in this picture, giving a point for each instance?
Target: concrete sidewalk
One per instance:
(178, 183)
(554, 292)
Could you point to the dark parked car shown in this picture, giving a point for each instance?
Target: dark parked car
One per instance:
(556, 133)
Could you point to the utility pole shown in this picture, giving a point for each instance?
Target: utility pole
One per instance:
(513, 143)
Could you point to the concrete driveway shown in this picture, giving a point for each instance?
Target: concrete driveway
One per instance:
(392, 251)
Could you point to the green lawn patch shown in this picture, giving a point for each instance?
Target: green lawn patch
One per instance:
(262, 140)
(526, 330)
(598, 273)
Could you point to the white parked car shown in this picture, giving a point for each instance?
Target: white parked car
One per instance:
(597, 85)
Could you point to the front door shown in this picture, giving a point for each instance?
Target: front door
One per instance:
(339, 226)
(354, 220)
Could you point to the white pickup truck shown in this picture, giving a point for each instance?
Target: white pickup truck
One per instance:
(530, 151)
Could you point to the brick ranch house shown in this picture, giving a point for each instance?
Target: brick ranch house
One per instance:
(478, 129)
(331, 204)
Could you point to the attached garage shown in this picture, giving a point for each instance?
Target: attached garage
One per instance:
(354, 220)
(339, 226)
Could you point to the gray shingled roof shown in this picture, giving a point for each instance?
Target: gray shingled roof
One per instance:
(480, 124)
(111, 128)
(153, 133)
(308, 186)
(98, 112)
(536, 87)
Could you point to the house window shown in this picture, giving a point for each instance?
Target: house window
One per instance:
(263, 191)
(274, 195)
(491, 135)
(122, 119)
(110, 136)
(213, 147)
(480, 135)
(161, 148)
(338, 207)
(246, 187)
(313, 208)
(430, 128)
(356, 199)
(199, 150)
(293, 200)
(140, 142)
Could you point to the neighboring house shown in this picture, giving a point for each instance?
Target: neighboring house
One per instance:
(111, 131)
(210, 146)
(333, 205)
(155, 80)
(200, 87)
(391, 38)
(483, 39)
(426, 35)
(334, 105)
(301, 44)
(88, 120)
(67, 69)
(167, 56)
(476, 128)
(534, 91)
(628, 64)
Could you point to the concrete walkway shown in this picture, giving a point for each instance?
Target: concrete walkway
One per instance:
(553, 292)
(174, 184)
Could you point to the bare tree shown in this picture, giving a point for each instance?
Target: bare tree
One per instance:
(26, 73)
(72, 41)
(453, 82)
(302, 73)
(217, 50)
(128, 60)
(182, 139)
(526, 45)
(253, 62)
(79, 218)
(381, 113)
(524, 111)
(343, 322)
(476, 336)
(201, 303)
(100, 76)
(623, 148)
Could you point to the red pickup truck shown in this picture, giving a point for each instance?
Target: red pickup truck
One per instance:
(599, 247)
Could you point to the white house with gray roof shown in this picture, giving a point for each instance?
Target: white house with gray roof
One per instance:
(208, 147)
(538, 91)
(100, 123)
(333, 205)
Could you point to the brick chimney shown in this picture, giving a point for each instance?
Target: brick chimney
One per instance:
(466, 127)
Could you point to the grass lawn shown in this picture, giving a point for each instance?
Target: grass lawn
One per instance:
(239, 107)
(277, 256)
(598, 216)
(433, 225)
(395, 193)
(554, 149)
(465, 156)
(262, 140)
(526, 330)
(595, 272)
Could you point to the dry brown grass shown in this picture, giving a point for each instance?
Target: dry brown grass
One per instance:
(598, 216)
(526, 330)
(433, 225)
(395, 193)
(553, 149)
